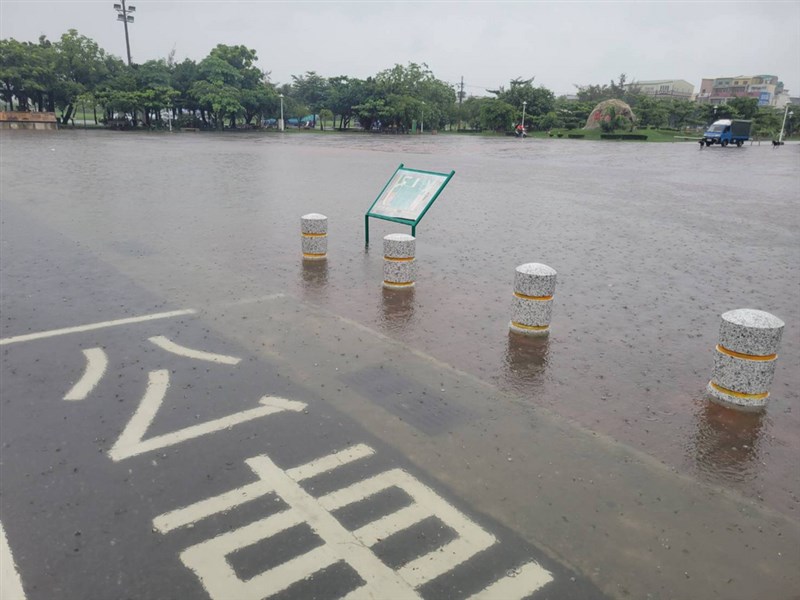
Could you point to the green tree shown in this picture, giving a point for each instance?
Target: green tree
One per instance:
(326, 114)
(311, 90)
(81, 65)
(767, 122)
(219, 98)
(745, 108)
(538, 100)
(344, 94)
(497, 115)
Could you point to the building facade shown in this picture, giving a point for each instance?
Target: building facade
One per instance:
(663, 88)
(767, 89)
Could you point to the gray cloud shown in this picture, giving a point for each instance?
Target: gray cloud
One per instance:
(489, 43)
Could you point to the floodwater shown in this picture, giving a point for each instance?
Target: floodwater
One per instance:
(652, 242)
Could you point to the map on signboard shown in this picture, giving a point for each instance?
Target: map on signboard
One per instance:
(408, 193)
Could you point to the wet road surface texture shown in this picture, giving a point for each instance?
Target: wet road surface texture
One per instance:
(240, 424)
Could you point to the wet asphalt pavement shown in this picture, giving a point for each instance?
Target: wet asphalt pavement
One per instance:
(128, 225)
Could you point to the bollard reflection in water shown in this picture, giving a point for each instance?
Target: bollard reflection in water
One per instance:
(525, 360)
(314, 278)
(726, 444)
(397, 308)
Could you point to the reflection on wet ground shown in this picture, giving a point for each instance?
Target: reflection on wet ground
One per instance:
(652, 242)
(397, 308)
(727, 445)
(525, 361)
(315, 279)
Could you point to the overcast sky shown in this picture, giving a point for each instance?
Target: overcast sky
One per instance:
(488, 43)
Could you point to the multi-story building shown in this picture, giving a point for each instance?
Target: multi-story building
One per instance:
(663, 88)
(766, 88)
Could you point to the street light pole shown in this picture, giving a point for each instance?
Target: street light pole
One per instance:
(783, 125)
(422, 120)
(524, 104)
(280, 123)
(123, 14)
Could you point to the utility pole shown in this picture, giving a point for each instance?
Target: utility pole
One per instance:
(123, 14)
(460, 100)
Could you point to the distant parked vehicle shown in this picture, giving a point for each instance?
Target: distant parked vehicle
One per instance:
(727, 131)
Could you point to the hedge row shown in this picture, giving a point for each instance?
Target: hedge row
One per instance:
(622, 136)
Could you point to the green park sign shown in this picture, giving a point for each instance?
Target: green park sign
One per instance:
(406, 197)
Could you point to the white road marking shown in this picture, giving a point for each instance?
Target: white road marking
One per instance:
(10, 581)
(372, 533)
(211, 506)
(130, 442)
(254, 300)
(208, 559)
(330, 462)
(170, 346)
(529, 578)
(217, 504)
(96, 363)
(28, 337)
(471, 538)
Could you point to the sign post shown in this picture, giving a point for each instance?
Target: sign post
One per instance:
(406, 197)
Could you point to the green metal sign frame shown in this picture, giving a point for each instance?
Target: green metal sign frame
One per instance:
(385, 197)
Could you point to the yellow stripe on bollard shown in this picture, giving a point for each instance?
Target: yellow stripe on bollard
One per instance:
(530, 327)
(724, 350)
(395, 259)
(539, 298)
(719, 388)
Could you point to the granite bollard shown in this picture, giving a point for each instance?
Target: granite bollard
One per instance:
(745, 359)
(314, 231)
(534, 286)
(399, 264)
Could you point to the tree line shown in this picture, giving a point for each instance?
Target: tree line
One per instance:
(227, 89)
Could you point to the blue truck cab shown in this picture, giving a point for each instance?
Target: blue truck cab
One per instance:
(727, 131)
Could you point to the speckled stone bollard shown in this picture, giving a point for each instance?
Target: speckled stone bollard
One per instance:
(744, 364)
(314, 229)
(399, 264)
(534, 286)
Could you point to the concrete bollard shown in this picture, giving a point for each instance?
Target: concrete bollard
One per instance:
(744, 364)
(399, 264)
(314, 229)
(534, 286)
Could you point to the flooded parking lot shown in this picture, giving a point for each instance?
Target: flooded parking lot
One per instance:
(652, 242)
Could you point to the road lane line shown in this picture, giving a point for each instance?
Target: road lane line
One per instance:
(170, 346)
(29, 337)
(529, 578)
(10, 581)
(330, 462)
(96, 363)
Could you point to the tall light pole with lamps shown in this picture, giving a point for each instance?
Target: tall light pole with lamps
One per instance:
(422, 120)
(123, 14)
(280, 123)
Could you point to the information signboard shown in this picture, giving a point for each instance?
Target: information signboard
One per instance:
(407, 196)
